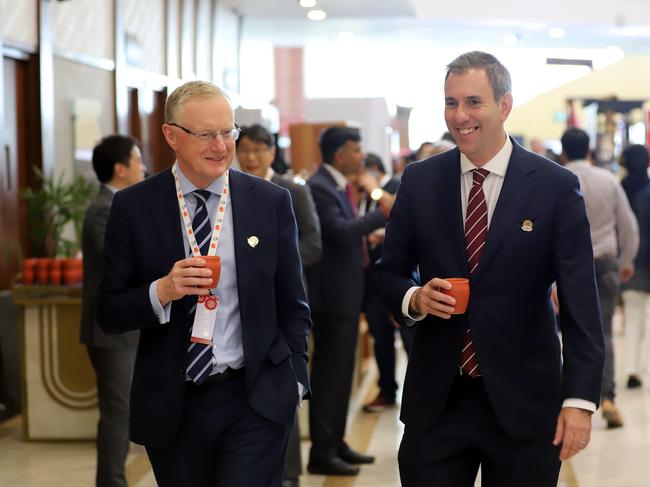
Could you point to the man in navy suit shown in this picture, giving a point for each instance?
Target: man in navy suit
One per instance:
(336, 285)
(212, 411)
(492, 387)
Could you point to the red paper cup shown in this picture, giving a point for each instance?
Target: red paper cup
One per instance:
(212, 262)
(460, 292)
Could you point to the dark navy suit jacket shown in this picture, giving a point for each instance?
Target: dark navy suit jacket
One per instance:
(143, 240)
(525, 374)
(336, 282)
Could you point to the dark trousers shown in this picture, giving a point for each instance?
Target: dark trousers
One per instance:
(468, 435)
(222, 441)
(609, 285)
(293, 463)
(114, 372)
(335, 344)
(382, 330)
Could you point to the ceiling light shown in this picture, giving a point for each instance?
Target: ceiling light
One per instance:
(307, 3)
(556, 33)
(316, 14)
(511, 39)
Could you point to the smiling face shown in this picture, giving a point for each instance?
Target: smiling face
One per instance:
(474, 118)
(202, 163)
(254, 157)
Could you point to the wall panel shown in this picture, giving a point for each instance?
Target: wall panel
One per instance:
(20, 22)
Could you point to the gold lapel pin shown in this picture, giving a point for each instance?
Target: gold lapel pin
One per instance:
(527, 226)
(253, 241)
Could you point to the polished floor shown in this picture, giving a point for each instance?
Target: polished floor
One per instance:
(615, 458)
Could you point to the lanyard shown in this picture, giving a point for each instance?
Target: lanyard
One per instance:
(218, 218)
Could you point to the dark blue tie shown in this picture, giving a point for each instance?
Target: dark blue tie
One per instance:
(198, 361)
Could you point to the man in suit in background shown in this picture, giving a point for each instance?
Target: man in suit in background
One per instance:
(336, 285)
(492, 387)
(117, 162)
(255, 154)
(213, 408)
(380, 321)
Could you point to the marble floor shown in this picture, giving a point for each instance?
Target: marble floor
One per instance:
(615, 458)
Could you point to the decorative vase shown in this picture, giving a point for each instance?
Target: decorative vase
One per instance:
(41, 267)
(54, 271)
(72, 271)
(29, 267)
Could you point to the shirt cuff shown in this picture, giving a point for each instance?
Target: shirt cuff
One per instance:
(301, 394)
(405, 306)
(580, 404)
(162, 313)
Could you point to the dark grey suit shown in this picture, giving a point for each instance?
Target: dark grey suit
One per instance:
(311, 248)
(112, 356)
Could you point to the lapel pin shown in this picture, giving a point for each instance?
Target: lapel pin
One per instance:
(527, 226)
(253, 241)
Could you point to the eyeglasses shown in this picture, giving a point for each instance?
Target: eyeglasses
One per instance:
(208, 137)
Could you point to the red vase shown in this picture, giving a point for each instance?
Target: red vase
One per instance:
(29, 266)
(72, 271)
(54, 271)
(41, 267)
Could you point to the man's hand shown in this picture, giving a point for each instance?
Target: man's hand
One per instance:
(367, 182)
(626, 272)
(386, 203)
(430, 300)
(183, 279)
(554, 300)
(573, 431)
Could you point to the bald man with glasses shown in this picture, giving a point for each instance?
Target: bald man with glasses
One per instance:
(221, 365)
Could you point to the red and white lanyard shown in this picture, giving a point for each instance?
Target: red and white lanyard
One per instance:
(218, 218)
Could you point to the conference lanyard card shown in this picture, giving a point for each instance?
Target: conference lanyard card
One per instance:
(206, 313)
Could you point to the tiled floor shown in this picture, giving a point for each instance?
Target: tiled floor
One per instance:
(615, 458)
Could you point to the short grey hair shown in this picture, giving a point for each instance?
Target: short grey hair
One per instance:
(186, 92)
(497, 73)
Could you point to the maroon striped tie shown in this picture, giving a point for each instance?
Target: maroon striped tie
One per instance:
(476, 228)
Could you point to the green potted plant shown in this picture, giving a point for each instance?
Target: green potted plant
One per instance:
(51, 208)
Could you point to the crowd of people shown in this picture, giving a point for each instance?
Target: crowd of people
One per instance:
(207, 368)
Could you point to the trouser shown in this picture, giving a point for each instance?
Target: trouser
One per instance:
(609, 283)
(637, 331)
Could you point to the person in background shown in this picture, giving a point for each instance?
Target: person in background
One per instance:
(117, 162)
(491, 387)
(255, 153)
(380, 323)
(336, 285)
(636, 292)
(615, 240)
(221, 366)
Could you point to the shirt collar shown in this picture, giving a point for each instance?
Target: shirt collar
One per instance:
(577, 163)
(187, 186)
(497, 165)
(269, 174)
(112, 189)
(339, 178)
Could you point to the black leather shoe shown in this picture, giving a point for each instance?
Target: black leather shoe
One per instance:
(290, 483)
(356, 458)
(633, 382)
(332, 466)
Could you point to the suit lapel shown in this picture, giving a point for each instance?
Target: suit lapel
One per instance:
(165, 211)
(341, 194)
(447, 192)
(517, 186)
(164, 206)
(244, 218)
